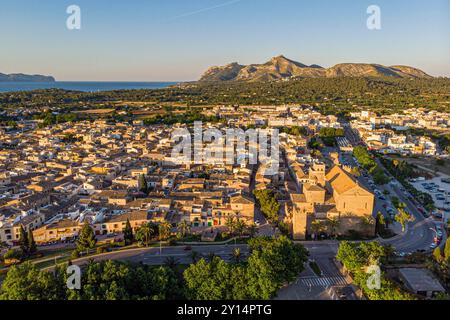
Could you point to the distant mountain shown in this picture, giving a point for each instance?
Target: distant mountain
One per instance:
(20, 77)
(280, 67)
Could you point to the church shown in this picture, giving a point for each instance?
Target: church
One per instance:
(331, 202)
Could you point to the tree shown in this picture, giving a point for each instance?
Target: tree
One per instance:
(236, 255)
(367, 224)
(23, 240)
(27, 282)
(128, 233)
(208, 281)
(403, 218)
(268, 203)
(357, 257)
(273, 262)
(32, 248)
(86, 239)
(380, 223)
(252, 230)
(210, 257)
(144, 234)
(333, 225)
(164, 230)
(447, 250)
(183, 228)
(240, 227)
(317, 227)
(230, 223)
(437, 254)
(194, 255)
(171, 262)
(143, 186)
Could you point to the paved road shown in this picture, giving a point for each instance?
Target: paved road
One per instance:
(310, 286)
(156, 256)
(419, 235)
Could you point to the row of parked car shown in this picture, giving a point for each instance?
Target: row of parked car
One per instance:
(438, 238)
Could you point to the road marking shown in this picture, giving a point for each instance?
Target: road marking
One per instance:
(323, 282)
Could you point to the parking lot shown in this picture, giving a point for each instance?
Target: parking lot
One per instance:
(440, 191)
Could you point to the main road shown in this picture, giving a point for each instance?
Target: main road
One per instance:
(184, 254)
(419, 234)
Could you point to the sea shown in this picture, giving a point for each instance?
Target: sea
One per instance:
(85, 86)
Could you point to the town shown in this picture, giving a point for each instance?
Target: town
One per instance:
(334, 181)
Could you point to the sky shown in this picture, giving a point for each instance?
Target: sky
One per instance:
(177, 40)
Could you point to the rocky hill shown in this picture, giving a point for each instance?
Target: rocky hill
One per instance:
(20, 77)
(280, 67)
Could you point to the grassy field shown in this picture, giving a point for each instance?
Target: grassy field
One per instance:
(427, 163)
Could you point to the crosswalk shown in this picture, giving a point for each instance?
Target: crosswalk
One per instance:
(322, 282)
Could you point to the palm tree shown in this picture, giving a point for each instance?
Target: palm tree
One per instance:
(164, 230)
(144, 234)
(195, 256)
(230, 223)
(240, 227)
(367, 223)
(171, 263)
(236, 255)
(210, 257)
(184, 228)
(317, 227)
(333, 224)
(252, 230)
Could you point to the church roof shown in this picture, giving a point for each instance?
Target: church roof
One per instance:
(341, 181)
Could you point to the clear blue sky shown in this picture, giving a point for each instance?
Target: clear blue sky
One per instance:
(151, 40)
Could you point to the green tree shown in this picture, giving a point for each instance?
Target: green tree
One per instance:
(143, 186)
(144, 234)
(380, 223)
(183, 228)
(333, 224)
(230, 223)
(128, 233)
(23, 240)
(318, 227)
(447, 250)
(27, 282)
(32, 248)
(356, 257)
(86, 239)
(403, 218)
(236, 255)
(268, 203)
(240, 227)
(252, 230)
(171, 262)
(195, 256)
(208, 281)
(437, 254)
(164, 230)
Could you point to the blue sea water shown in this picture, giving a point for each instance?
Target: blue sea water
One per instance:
(86, 86)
